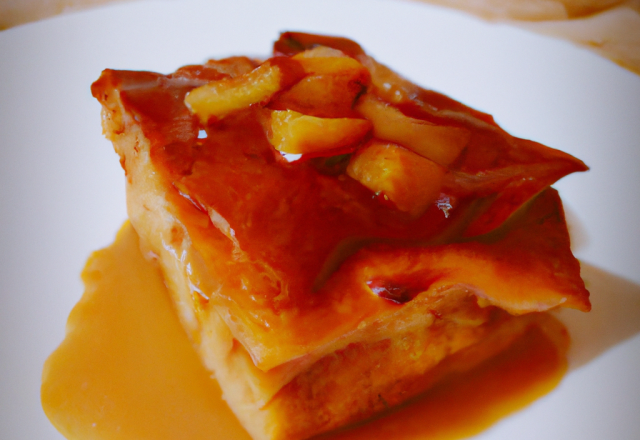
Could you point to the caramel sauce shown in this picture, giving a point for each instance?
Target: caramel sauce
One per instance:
(127, 371)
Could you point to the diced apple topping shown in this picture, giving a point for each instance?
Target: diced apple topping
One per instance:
(294, 133)
(442, 144)
(316, 104)
(410, 181)
(331, 87)
(319, 52)
(218, 99)
(215, 70)
(395, 89)
(321, 60)
(387, 83)
(232, 66)
(292, 43)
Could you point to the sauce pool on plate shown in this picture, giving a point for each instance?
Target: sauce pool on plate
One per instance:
(126, 370)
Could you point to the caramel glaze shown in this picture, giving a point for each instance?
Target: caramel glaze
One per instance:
(292, 225)
(293, 215)
(127, 371)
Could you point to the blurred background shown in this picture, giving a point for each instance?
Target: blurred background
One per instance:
(608, 27)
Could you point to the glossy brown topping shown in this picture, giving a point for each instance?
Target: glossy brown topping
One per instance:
(330, 175)
(294, 216)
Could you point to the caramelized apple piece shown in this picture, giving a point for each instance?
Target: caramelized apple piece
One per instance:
(218, 99)
(332, 85)
(291, 43)
(323, 59)
(441, 144)
(295, 133)
(232, 66)
(410, 181)
(388, 84)
(215, 70)
(320, 52)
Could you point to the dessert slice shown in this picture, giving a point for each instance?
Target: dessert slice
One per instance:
(330, 232)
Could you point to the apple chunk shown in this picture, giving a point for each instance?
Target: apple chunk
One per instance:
(332, 84)
(388, 84)
(217, 99)
(295, 133)
(410, 181)
(442, 144)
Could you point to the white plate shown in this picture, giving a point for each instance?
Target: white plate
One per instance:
(62, 191)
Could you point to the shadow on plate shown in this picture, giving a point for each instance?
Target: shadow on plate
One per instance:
(614, 317)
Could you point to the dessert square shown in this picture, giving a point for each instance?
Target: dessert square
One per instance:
(335, 237)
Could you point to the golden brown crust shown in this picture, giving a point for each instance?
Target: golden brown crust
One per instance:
(296, 315)
(374, 315)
